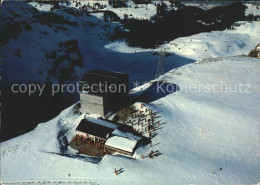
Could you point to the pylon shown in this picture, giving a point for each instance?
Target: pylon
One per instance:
(160, 68)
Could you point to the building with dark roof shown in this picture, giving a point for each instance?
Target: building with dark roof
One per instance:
(94, 131)
(114, 136)
(101, 91)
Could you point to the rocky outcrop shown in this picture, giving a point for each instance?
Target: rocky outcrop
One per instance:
(255, 52)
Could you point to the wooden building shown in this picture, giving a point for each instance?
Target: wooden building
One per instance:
(116, 138)
(102, 91)
(95, 129)
(121, 145)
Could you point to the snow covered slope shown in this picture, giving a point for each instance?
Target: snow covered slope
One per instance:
(207, 5)
(253, 8)
(140, 11)
(207, 136)
(239, 41)
(63, 48)
(143, 11)
(60, 30)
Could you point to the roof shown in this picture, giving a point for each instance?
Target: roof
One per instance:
(105, 78)
(93, 128)
(121, 143)
(103, 123)
(127, 135)
(121, 127)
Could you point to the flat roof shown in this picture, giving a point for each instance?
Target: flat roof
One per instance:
(121, 143)
(99, 130)
(127, 135)
(105, 78)
(103, 123)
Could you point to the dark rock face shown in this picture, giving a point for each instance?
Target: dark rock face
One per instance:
(255, 52)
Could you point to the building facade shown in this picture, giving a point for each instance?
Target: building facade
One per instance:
(114, 139)
(102, 91)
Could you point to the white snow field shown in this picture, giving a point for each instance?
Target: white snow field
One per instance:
(201, 133)
(143, 11)
(140, 11)
(253, 8)
(240, 40)
(218, 43)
